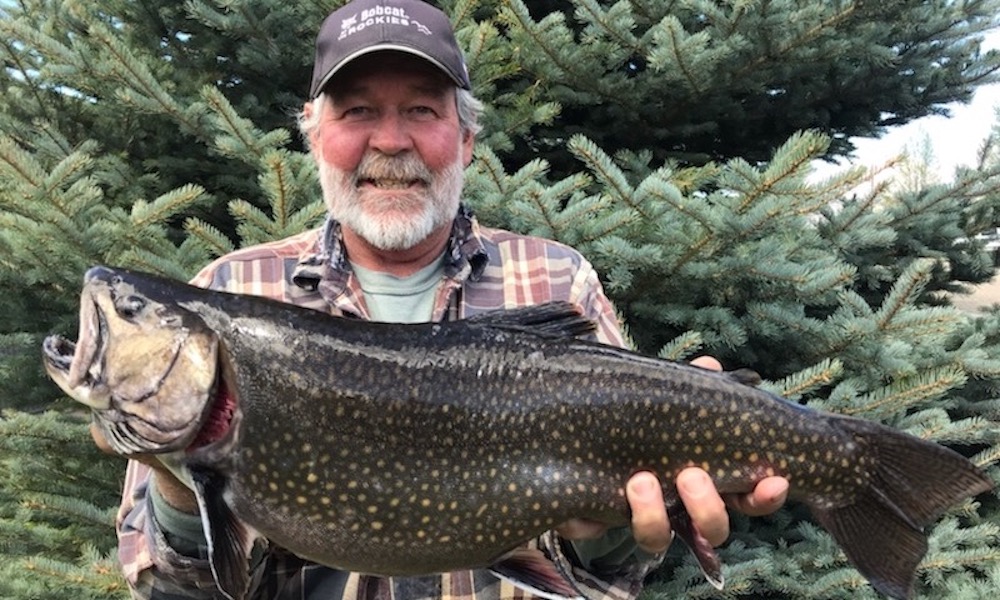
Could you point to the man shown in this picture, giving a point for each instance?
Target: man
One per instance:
(391, 124)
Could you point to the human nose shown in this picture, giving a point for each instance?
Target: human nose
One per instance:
(390, 135)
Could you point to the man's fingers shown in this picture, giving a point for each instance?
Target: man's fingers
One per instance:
(768, 496)
(581, 529)
(650, 525)
(707, 362)
(703, 504)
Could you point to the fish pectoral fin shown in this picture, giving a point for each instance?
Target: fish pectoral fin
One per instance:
(700, 547)
(532, 571)
(229, 541)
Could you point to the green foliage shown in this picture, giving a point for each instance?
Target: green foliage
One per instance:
(670, 142)
(706, 80)
(56, 540)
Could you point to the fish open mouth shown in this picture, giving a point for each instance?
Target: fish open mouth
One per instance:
(71, 364)
(59, 352)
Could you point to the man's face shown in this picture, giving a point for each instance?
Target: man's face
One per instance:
(390, 150)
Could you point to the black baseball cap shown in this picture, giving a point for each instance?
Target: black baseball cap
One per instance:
(364, 26)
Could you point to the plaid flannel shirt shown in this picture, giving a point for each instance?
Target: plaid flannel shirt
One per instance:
(485, 269)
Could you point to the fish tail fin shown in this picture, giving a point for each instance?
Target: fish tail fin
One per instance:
(229, 540)
(912, 483)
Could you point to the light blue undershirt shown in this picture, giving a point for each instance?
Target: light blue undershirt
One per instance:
(395, 299)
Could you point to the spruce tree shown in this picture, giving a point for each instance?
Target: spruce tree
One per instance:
(669, 142)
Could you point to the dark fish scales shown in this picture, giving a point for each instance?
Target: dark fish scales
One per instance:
(415, 449)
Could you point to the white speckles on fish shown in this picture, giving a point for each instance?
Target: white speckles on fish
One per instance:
(415, 449)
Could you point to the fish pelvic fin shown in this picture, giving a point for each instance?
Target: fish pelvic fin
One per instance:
(530, 570)
(229, 541)
(702, 550)
(913, 482)
(555, 319)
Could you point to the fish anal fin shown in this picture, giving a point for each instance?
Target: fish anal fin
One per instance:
(229, 541)
(700, 548)
(532, 571)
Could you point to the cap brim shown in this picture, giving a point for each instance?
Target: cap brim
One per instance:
(382, 47)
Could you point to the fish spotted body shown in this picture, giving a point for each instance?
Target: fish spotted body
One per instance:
(416, 449)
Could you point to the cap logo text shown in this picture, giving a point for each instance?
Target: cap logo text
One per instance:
(378, 15)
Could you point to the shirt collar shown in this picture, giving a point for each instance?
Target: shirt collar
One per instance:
(326, 264)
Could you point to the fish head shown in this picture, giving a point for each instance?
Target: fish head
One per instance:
(144, 364)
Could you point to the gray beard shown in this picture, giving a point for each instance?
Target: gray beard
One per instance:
(396, 221)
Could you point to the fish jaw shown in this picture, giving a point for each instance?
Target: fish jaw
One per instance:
(145, 366)
(68, 364)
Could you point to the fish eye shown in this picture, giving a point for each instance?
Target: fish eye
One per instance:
(130, 306)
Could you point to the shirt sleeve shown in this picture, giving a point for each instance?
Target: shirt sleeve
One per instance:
(588, 293)
(153, 568)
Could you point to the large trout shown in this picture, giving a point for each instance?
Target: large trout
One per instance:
(415, 449)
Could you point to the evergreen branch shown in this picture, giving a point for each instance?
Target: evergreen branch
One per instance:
(277, 183)
(489, 164)
(952, 561)
(961, 431)
(254, 224)
(97, 576)
(136, 76)
(606, 227)
(599, 163)
(930, 321)
(666, 193)
(73, 508)
(682, 346)
(164, 207)
(860, 209)
(308, 216)
(693, 250)
(23, 70)
(790, 160)
(551, 38)
(808, 380)
(249, 139)
(987, 458)
(907, 393)
(677, 36)
(20, 162)
(907, 288)
(463, 11)
(154, 262)
(593, 13)
(800, 41)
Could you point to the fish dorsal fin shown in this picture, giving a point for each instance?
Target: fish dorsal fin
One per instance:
(555, 319)
(229, 540)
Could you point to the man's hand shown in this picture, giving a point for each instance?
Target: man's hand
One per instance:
(703, 503)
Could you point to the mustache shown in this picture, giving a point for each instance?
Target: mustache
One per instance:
(402, 167)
